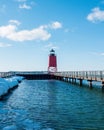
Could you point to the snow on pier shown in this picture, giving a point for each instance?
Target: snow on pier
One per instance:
(9, 83)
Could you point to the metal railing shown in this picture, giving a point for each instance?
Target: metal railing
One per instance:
(6, 74)
(94, 75)
(30, 72)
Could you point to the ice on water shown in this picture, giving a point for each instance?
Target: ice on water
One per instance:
(8, 83)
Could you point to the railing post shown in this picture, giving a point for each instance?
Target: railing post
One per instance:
(86, 74)
(95, 76)
(76, 74)
(101, 75)
(83, 74)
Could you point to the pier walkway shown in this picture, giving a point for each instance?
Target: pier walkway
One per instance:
(6, 74)
(68, 76)
(36, 75)
(81, 75)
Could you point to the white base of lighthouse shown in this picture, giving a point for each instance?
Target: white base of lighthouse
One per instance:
(52, 69)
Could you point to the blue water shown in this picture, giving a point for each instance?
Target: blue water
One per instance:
(52, 105)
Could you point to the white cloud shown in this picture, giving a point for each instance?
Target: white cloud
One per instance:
(4, 45)
(14, 22)
(5, 31)
(56, 25)
(28, 35)
(24, 6)
(96, 15)
(10, 32)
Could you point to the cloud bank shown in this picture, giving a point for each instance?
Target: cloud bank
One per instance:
(11, 32)
(96, 15)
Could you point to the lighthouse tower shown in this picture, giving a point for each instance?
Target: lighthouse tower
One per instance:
(52, 66)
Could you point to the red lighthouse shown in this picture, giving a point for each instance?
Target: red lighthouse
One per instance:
(52, 67)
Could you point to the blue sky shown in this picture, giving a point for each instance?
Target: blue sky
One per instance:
(30, 28)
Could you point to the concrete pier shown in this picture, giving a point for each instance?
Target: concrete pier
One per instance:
(67, 76)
